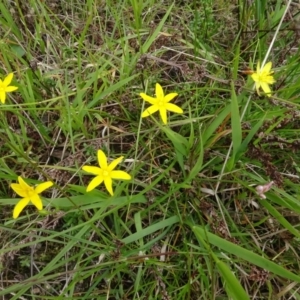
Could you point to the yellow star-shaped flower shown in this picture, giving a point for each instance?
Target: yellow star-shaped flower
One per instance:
(263, 77)
(105, 173)
(160, 103)
(29, 194)
(5, 88)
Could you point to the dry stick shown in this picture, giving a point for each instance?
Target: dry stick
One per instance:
(243, 114)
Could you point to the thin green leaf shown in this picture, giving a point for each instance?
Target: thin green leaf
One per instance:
(150, 229)
(157, 30)
(249, 137)
(279, 217)
(109, 90)
(7, 22)
(180, 143)
(235, 122)
(211, 129)
(233, 286)
(245, 254)
(198, 165)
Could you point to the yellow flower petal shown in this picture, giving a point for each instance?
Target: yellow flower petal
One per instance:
(108, 185)
(150, 110)
(149, 99)
(267, 67)
(19, 207)
(11, 88)
(169, 97)
(174, 108)
(92, 170)
(2, 96)
(163, 114)
(266, 89)
(43, 186)
(270, 79)
(18, 190)
(114, 163)
(102, 159)
(159, 91)
(7, 80)
(23, 184)
(37, 202)
(120, 175)
(94, 183)
(255, 77)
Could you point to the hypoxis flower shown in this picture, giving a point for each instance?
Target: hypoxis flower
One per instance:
(160, 103)
(28, 194)
(263, 77)
(105, 173)
(5, 88)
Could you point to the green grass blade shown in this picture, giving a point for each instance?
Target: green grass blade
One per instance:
(110, 90)
(199, 163)
(233, 286)
(211, 129)
(245, 254)
(7, 21)
(235, 122)
(150, 229)
(157, 30)
(249, 137)
(279, 217)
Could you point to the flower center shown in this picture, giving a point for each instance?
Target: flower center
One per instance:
(30, 192)
(263, 76)
(266, 77)
(160, 103)
(105, 173)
